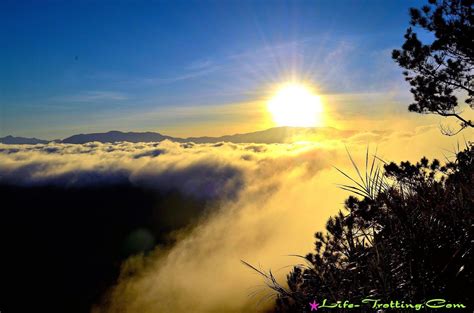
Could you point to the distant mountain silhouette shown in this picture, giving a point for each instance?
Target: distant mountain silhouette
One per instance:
(21, 140)
(116, 136)
(272, 135)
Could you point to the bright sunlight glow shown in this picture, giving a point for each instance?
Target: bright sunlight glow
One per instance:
(296, 105)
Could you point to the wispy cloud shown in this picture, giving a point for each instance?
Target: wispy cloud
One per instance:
(93, 96)
(196, 69)
(200, 64)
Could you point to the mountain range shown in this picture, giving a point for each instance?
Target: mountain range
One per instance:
(21, 140)
(272, 135)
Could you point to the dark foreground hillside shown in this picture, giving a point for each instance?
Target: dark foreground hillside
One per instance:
(409, 238)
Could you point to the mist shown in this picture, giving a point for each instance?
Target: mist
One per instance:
(163, 227)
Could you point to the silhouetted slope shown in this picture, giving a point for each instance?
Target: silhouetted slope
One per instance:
(408, 237)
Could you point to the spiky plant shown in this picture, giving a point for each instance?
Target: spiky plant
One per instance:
(410, 240)
(373, 182)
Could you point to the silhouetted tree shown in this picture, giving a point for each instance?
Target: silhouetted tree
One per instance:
(437, 71)
(411, 241)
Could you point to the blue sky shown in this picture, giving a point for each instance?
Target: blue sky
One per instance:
(80, 66)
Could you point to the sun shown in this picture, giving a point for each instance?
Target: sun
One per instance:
(296, 105)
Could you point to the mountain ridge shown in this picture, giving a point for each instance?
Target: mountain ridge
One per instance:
(22, 140)
(272, 135)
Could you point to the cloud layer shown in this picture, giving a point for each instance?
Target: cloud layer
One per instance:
(202, 269)
(264, 202)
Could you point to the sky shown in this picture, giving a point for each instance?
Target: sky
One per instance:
(191, 67)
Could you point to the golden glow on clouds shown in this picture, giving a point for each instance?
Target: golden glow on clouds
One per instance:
(294, 183)
(296, 105)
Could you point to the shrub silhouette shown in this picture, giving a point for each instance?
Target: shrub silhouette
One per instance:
(411, 242)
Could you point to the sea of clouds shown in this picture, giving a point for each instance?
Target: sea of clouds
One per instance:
(268, 201)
